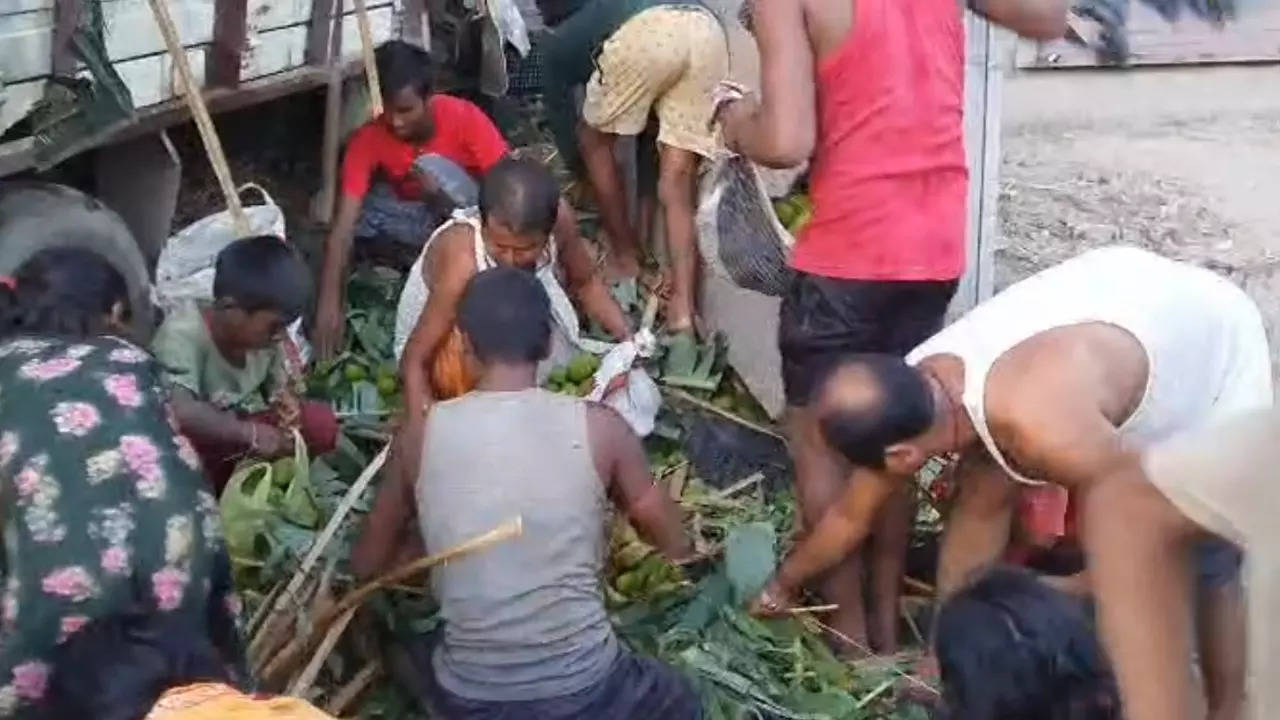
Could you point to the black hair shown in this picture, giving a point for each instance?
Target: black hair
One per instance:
(892, 404)
(117, 667)
(262, 273)
(402, 65)
(1012, 648)
(62, 291)
(522, 194)
(506, 315)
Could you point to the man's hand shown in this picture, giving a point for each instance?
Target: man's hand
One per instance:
(773, 601)
(330, 328)
(269, 443)
(288, 409)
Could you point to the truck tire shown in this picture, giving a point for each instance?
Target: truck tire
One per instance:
(35, 216)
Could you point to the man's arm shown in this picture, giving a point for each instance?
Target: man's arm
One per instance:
(205, 422)
(619, 455)
(1137, 546)
(445, 271)
(780, 130)
(391, 527)
(841, 530)
(1035, 19)
(977, 528)
(330, 318)
(583, 281)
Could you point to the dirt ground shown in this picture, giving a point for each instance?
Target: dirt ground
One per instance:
(1182, 161)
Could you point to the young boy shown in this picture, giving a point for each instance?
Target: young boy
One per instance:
(232, 392)
(525, 633)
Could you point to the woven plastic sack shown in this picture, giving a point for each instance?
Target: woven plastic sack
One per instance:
(184, 271)
(739, 235)
(723, 452)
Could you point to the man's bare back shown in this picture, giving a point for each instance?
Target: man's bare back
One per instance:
(1038, 388)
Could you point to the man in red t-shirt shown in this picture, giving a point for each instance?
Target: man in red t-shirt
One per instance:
(405, 172)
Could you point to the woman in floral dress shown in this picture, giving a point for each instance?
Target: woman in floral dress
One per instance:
(102, 502)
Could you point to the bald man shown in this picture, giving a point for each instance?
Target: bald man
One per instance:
(1061, 378)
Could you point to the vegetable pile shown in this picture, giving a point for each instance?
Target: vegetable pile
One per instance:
(794, 212)
(292, 525)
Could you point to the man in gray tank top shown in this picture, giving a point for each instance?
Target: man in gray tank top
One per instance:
(1066, 378)
(525, 629)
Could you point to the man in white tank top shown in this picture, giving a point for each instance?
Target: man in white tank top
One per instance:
(518, 209)
(1065, 378)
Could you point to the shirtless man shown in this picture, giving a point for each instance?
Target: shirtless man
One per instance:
(873, 92)
(1060, 378)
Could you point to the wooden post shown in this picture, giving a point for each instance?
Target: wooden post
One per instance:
(230, 26)
(332, 120)
(68, 15)
(200, 113)
(326, 21)
(983, 91)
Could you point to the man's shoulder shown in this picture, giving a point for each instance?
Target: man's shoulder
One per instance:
(183, 323)
(371, 138)
(450, 107)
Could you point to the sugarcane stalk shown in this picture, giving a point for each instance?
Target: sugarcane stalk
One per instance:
(288, 600)
(348, 693)
(307, 677)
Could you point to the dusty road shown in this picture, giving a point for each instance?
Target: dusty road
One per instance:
(1185, 162)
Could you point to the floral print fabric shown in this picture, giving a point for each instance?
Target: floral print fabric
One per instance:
(104, 505)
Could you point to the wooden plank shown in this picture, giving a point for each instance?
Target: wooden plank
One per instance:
(68, 16)
(27, 39)
(278, 50)
(26, 45)
(275, 14)
(20, 155)
(14, 7)
(153, 79)
(18, 101)
(229, 28)
(131, 30)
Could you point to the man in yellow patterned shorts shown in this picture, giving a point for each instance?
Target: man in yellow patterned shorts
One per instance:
(636, 58)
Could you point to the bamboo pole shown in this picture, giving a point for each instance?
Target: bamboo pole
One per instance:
(286, 657)
(370, 66)
(200, 114)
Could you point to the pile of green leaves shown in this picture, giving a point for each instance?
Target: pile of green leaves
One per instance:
(363, 381)
(695, 620)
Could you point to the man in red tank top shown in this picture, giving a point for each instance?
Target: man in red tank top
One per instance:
(873, 91)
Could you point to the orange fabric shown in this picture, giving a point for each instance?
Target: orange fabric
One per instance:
(1043, 513)
(214, 701)
(450, 375)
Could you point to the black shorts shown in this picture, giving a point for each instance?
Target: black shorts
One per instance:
(823, 319)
